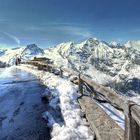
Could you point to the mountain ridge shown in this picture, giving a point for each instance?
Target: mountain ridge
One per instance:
(106, 63)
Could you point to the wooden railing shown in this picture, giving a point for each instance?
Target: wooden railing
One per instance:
(131, 110)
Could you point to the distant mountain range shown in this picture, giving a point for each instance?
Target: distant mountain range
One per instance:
(110, 64)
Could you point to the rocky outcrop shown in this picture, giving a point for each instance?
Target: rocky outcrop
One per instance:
(133, 51)
(3, 65)
(2, 52)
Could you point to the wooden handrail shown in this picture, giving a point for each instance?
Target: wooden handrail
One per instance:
(112, 96)
(135, 112)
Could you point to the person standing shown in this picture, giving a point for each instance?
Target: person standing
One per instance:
(18, 60)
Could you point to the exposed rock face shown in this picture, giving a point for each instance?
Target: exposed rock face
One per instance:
(133, 51)
(2, 65)
(32, 49)
(2, 52)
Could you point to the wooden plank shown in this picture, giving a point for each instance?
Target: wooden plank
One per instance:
(135, 130)
(135, 121)
(128, 122)
(80, 85)
(40, 67)
(100, 122)
(132, 121)
(41, 59)
(135, 112)
(112, 96)
(61, 72)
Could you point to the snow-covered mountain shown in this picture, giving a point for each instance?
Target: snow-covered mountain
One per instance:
(8, 56)
(111, 64)
(2, 52)
(32, 49)
(133, 44)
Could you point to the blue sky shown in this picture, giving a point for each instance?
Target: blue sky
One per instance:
(49, 22)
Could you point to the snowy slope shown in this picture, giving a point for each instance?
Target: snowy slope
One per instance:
(8, 56)
(2, 52)
(110, 64)
(32, 49)
(133, 44)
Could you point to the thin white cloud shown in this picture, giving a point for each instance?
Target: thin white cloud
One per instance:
(77, 31)
(62, 28)
(17, 40)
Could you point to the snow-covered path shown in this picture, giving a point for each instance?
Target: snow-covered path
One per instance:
(74, 127)
(21, 107)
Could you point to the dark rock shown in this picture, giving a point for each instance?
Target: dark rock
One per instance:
(3, 65)
(46, 96)
(122, 76)
(112, 73)
(2, 52)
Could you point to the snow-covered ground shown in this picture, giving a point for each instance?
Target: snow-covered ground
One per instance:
(75, 127)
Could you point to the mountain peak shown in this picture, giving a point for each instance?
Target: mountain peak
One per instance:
(133, 45)
(114, 44)
(32, 49)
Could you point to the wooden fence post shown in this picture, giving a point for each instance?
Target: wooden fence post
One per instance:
(43, 68)
(51, 69)
(39, 67)
(135, 113)
(135, 130)
(128, 128)
(48, 68)
(132, 129)
(61, 72)
(80, 85)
